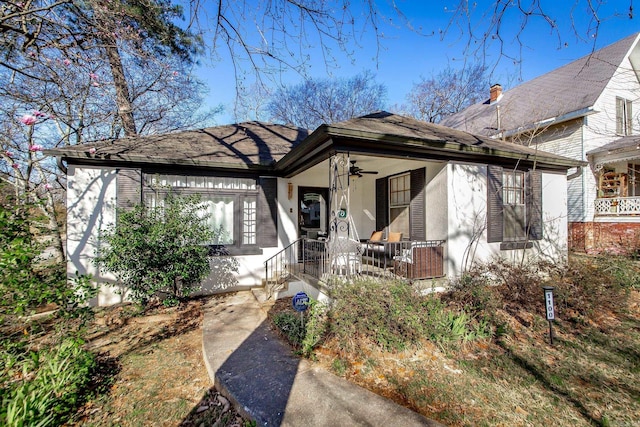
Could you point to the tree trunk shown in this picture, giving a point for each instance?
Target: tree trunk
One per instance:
(123, 100)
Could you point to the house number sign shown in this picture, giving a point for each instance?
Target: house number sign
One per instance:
(548, 300)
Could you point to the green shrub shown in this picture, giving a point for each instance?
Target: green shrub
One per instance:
(304, 331)
(291, 326)
(315, 328)
(43, 388)
(159, 250)
(392, 316)
(26, 281)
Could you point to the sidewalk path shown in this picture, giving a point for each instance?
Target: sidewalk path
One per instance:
(257, 371)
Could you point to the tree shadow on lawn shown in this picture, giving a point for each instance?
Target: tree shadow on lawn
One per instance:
(129, 333)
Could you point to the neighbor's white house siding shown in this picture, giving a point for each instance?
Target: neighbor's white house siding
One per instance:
(91, 206)
(566, 139)
(467, 222)
(600, 128)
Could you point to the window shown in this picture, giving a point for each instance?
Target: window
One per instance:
(513, 197)
(624, 116)
(399, 204)
(514, 207)
(230, 203)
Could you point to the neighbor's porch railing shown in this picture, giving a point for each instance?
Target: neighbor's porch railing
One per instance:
(617, 206)
(406, 260)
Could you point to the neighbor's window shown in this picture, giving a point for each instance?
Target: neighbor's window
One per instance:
(231, 203)
(399, 201)
(513, 197)
(624, 116)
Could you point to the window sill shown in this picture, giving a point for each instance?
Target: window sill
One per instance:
(524, 244)
(234, 250)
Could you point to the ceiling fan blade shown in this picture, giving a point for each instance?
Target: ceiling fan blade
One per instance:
(356, 171)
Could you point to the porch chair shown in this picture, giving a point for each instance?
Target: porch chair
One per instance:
(347, 255)
(378, 247)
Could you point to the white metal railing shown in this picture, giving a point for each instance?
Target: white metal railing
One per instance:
(617, 206)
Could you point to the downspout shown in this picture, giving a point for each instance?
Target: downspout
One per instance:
(582, 176)
(576, 174)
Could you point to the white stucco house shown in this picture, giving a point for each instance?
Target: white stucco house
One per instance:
(380, 195)
(586, 110)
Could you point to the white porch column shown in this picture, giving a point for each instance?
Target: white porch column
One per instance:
(344, 253)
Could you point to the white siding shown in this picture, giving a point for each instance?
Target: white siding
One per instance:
(91, 206)
(467, 206)
(566, 139)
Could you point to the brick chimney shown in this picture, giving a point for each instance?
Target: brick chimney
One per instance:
(495, 92)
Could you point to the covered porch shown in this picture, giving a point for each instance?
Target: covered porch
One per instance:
(617, 170)
(374, 217)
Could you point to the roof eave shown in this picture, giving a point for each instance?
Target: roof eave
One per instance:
(325, 140)
(550, 121)
(87, 158)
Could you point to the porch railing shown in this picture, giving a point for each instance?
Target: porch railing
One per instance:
(406, 260)
(617, 206)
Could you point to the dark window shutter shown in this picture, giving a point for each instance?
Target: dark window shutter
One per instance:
(416, 212)
(382, 204)
(129, 188)
(268, 213)
(534, 204)
(494, 204)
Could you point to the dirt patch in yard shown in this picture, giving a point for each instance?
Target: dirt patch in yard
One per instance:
(153, 368)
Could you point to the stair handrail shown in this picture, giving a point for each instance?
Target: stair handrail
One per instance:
(275, 265)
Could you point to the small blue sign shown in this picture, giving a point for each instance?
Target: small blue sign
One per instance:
(300, 301)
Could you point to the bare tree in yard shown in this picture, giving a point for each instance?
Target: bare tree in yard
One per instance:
(503, 26)
(317, 101)
(77, 72)
(448, 92)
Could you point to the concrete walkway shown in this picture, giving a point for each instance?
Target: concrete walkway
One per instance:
(257, 371)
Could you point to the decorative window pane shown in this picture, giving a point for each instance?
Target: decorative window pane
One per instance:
(513, 197)
(231, 203)
(249, 222)
(220, 210)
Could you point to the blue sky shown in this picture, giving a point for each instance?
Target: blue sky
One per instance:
(406, 55)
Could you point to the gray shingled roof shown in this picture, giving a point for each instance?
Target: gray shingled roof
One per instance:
(398, 135)
(270, 147)
(632, 141)
(240, 145)
(387, 124)
(569, 89)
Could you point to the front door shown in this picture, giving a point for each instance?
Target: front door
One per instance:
(313, 211)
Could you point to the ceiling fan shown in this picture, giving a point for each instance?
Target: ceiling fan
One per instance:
(356, 171)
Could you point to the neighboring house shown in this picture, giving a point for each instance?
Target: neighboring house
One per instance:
(586, 110)
(300, 205)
